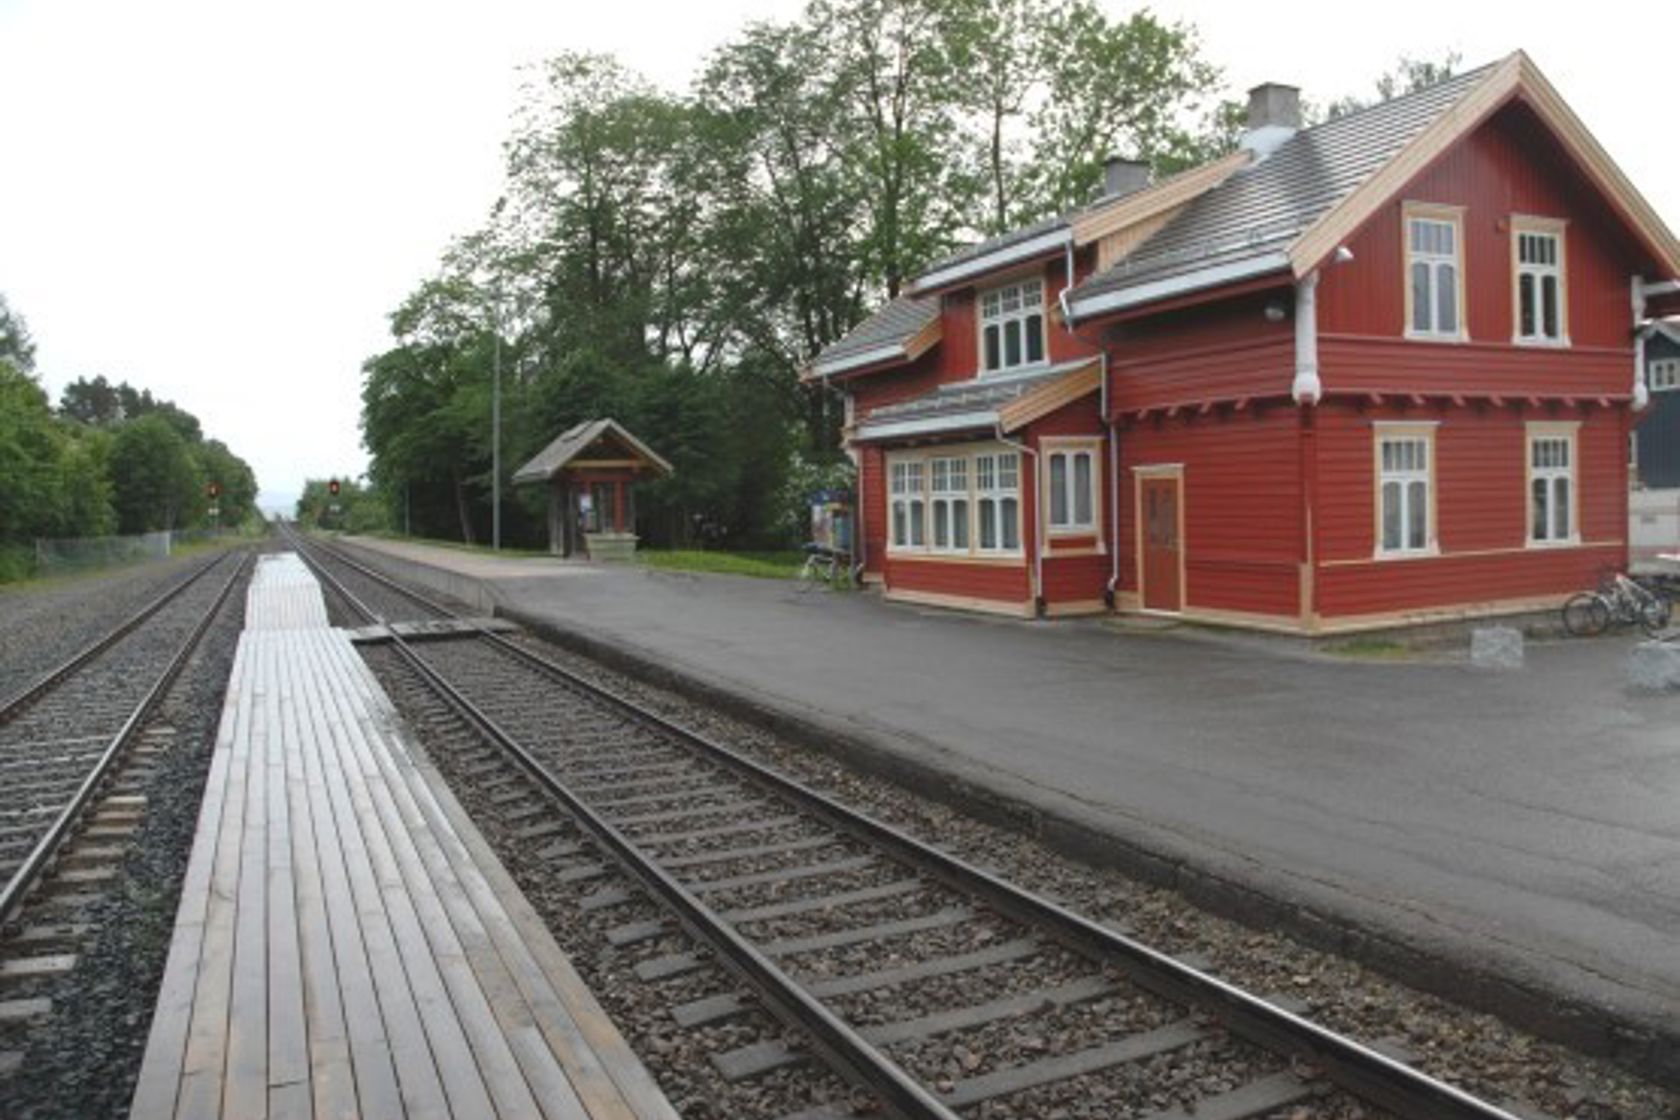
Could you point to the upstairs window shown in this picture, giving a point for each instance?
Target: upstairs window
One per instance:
(1551, 484)
(1664, 375)
(1012, 327)
(1539, 282)
(1405, 481)
(1434, 273)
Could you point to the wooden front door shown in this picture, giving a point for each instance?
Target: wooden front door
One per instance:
(1162, 549)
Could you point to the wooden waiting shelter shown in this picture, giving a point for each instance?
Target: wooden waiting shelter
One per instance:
(589, 469)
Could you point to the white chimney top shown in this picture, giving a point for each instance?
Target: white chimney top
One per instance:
(1124, 176)
(1274, 115)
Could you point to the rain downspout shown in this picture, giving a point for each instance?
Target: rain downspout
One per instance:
(1038, 518)
(1641, 391)
(1113, 488)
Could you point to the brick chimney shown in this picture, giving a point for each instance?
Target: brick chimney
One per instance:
(1274, 115)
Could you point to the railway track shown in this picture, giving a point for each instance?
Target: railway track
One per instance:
(75, 750)
(883, 955)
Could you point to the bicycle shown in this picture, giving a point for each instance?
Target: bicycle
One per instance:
(824, 566)
(1619, 601)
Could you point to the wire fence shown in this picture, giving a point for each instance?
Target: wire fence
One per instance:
(70, 554)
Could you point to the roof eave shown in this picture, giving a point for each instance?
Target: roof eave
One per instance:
(1022, 252)
(1094, 305)
(931, 425)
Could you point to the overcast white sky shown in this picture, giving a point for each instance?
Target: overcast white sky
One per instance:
(221, 201)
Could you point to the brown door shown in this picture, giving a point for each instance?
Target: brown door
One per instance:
(1161, 546)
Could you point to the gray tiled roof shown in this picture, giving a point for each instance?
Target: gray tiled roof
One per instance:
(979, 395)
(1264, 207)
(1001, 241)
(573, 441)
(895, 324)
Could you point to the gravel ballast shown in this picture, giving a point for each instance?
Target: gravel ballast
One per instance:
(83, 1060)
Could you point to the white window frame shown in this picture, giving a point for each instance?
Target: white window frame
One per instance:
(1662, 375)
(1553, 228)
(949, 504)
(991, 469)
(1451, 217)
(912, 492)
(906, 506)
(1071, 453)
(1017, 302)
(1420, 432)
(1556, 434)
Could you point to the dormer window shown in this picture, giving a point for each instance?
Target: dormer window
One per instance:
(1541, 308)
(1012, 327)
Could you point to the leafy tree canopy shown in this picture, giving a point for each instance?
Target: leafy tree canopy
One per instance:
(17, 349)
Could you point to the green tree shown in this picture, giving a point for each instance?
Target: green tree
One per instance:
(234, 478)
(16, 347)
(1408, 75)
(31, 454)
(156, 479)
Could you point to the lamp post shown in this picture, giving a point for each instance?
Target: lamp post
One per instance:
(496, 439)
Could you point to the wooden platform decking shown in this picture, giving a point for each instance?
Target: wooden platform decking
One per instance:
(346, 943)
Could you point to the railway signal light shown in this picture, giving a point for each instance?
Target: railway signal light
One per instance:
(332, 487)
(213, 491)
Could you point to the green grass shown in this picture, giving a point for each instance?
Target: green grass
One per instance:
(1373, 649)
(764, 565)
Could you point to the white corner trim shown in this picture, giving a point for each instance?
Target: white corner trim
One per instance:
(1177, 285)
(997, 258)
(861, 358)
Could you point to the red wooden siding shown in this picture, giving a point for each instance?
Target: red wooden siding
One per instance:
(1394, 365)
(1082, 578)
(961, 580)
(1481, 508)
(1219, 351)
(1242, 506)
(1508, 166)
(872, 487)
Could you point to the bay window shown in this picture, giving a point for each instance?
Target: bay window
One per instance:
(955, 504)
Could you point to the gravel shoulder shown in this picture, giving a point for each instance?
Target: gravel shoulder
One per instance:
(44, 622)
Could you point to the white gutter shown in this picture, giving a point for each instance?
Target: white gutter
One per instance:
(997, 258)
(1113, 486)
(1307, 388)
(1641, 391)
(861, 358)
(1177, 285)
(1038, 517)
(928, 426)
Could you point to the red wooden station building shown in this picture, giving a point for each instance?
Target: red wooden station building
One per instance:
(1378, 371)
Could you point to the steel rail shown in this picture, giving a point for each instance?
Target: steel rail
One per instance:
(1372, 1076)
(15, 706)
(46, 849)
(837, 1042)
